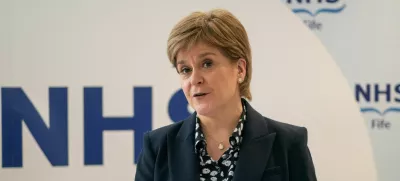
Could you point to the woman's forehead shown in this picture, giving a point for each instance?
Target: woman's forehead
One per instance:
(196, 52)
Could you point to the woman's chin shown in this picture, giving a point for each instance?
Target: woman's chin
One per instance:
(203, 109)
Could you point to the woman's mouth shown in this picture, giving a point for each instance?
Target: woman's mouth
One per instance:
(199, 94)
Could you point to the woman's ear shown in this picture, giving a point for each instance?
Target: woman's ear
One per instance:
(241, 65)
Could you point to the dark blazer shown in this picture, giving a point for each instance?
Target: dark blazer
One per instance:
(270, 151)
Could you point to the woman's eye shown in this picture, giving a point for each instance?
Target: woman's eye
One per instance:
(185, 70)
(207, 64)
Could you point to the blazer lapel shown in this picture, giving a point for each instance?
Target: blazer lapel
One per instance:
(255, 149)
(183, 163)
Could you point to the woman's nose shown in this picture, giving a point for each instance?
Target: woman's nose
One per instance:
(196, 78)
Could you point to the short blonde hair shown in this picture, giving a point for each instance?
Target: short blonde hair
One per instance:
(218, 28)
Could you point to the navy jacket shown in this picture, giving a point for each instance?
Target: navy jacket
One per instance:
(270, 151)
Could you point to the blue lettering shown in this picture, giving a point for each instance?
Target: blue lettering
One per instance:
(385, 92)
(95, 123)
(397, 99)
(177, 107)
(52, 140)
(365, 93)
(298, 1)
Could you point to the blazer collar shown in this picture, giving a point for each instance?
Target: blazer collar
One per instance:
(183, 164)
(255, 149)
(258, 139)
(187, 129)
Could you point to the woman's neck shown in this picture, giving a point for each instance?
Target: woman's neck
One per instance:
(223, 122)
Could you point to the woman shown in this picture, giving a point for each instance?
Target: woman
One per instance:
(225, 139)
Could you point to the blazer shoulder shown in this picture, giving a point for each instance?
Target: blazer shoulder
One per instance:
(293, 141)
(288, 133)
(159, 135)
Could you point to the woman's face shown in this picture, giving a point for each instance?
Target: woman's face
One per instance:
(209, 79)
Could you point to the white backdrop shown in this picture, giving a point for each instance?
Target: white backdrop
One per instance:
(363, 37)
(118, 45)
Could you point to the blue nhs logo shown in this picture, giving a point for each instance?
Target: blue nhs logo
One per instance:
(374, 93)
(315, 7)
(370, 94)
(311, 1)
(53, 139)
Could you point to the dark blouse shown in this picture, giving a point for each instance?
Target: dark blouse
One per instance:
(223, 169)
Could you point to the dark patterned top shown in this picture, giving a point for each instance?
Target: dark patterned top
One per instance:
(223, 169)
